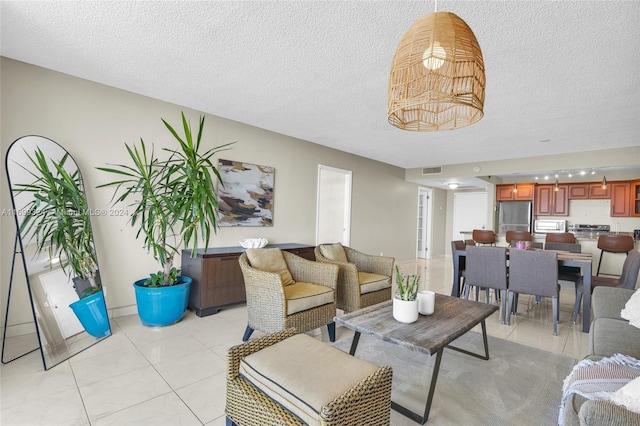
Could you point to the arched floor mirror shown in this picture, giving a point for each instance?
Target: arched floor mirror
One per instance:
(62, 312)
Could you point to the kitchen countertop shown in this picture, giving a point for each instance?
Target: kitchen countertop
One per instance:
(588, 237)
(579, 237)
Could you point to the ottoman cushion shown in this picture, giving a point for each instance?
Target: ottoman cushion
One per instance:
(303, 374)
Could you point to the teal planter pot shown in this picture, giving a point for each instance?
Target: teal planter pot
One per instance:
(160, 306)
(92, 314)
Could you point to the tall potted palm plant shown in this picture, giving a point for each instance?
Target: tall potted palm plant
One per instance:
(57, 216)
(174, 205)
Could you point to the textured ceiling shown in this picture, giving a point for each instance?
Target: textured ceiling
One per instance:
(318, 70)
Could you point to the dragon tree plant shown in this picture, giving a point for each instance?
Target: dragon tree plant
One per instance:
(57, 215)
(174, 199)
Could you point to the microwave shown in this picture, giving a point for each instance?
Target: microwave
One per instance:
(544, 226)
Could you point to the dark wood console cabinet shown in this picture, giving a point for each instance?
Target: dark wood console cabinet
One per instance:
(217, 278)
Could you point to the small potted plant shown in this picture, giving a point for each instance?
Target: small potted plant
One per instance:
(405, 302)
(57, 217)
(174, 205)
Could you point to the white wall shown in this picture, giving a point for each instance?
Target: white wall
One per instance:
(597, 212)
(93, 122)
(439, 231)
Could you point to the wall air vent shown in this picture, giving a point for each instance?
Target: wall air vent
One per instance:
(432, 170)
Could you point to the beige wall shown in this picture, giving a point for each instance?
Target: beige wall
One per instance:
(93, 122)
(439, 214)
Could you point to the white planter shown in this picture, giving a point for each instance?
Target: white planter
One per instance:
(405, 311)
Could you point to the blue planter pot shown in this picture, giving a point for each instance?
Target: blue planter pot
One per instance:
(160, 306)
(92, 313)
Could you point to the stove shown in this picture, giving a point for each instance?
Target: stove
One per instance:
(581, 229)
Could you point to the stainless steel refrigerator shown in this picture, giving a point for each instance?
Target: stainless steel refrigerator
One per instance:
(514, 216)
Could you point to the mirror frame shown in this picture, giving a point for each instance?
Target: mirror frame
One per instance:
(75, 338)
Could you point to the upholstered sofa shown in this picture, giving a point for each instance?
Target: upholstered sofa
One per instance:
(609, 334)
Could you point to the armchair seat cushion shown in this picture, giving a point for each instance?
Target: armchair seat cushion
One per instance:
(302, 296)
(303, 374)
(372, 282)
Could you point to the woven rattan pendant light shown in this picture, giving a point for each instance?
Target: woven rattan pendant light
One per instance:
(437, 77)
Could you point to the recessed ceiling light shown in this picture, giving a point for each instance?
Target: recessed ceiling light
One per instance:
(453, 185)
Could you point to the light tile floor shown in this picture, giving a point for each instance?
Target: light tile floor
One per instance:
(175, 375)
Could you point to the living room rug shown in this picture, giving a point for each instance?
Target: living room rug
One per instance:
(518, 385)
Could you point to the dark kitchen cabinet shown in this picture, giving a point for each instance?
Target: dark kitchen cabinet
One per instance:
(596, 191)
(635, 198)
(589, 191)
(549, 202)
(217, 279)
(504, 192)
(524, 192)
(620, 198)
(578, 191)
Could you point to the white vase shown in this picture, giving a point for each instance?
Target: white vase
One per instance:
(405, 310)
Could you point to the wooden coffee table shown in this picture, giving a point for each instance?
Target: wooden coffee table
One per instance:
(451, 319)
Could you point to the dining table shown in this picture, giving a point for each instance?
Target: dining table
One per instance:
(565, 258)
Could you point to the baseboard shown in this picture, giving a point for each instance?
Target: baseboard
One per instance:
(21, 329)
(123, 311)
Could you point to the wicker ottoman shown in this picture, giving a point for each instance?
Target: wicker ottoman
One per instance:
(294, 379)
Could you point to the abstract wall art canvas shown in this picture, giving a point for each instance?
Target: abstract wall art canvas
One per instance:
(246, 199)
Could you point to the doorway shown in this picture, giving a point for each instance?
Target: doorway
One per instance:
(424, 224)
(333, 223)
(60, 294)
(469, 213)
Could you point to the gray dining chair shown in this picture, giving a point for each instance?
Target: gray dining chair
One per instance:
(535, 273)
(460, 245)
(569, 273)
(627, 279)
(486, 268)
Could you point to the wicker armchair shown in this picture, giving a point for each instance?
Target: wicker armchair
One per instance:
(368, 402)
(270, 302)
(364, 279)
